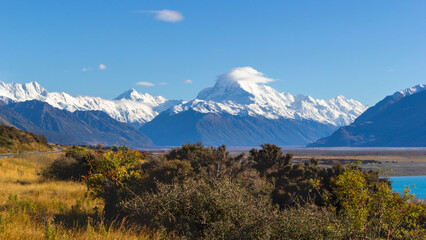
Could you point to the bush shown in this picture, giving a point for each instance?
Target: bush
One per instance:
(372, 210)
(216, 208)
(200, 192)
(71, 167)
(113, 177)
(64, 168)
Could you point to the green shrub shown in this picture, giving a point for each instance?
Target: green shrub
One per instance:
(372, 210)
(216, 208)
(64, 168)
(113, 177)
(71, 167)
(200, 192)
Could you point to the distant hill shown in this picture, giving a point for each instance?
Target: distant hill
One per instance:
(398, 120)
(78, 127)
(217, 129)
(15, 140)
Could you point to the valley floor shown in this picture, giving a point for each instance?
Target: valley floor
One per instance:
(392, 165)
(395, 161)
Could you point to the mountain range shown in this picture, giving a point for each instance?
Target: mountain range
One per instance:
(239, 110)
(130, 107)
(77, 128)
(242, 110)
(399, 120)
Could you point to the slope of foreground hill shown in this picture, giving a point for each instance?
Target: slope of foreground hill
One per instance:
(64, 127)
(398, 120)
(15, 140)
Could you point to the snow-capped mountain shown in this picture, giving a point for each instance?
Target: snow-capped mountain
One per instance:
(409, 91)
(64, 127)
(243, 91)
(399, 120)
(241, 110)
(131, 107)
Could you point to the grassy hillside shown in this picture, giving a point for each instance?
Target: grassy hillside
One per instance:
(15, 140)
(34, 208)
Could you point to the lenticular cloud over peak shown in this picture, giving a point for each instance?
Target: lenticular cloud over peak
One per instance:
(244, 75)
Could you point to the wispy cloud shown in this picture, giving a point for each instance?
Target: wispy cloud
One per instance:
(390, 70)
(84, 69)
(162, 83)
(146, 84)
(165, 15)
(187, 81)
(102, 67)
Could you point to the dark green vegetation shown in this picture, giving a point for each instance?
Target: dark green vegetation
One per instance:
(198, 192)
(15, 140)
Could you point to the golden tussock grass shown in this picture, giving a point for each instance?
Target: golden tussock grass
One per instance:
(34, 208)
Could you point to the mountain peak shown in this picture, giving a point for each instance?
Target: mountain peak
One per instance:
(130, 94)
(244, 91)
(22, 92)
(410, 91)
(133, 95)
(242, 85)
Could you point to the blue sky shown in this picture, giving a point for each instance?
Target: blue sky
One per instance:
(364, 50)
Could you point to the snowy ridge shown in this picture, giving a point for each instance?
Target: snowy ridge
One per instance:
(409, 91)
(130, 107)
(243, 92)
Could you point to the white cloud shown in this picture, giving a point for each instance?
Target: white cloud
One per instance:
(146, 84)
(187, 81)
(165, 15)
(244, 74)
(162, 83)
(84, 69)
(102, 67)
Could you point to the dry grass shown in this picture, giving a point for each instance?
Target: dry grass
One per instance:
(34, 208)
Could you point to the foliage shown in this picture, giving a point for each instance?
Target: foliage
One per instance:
(373, 210)
(12, 139)
(200, 192)
(32, 207)
(206, 209)
(293, 183)
(112, 177)
(72, 166)
(269, 156)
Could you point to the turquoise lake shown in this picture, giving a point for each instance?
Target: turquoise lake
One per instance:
(417, 185)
